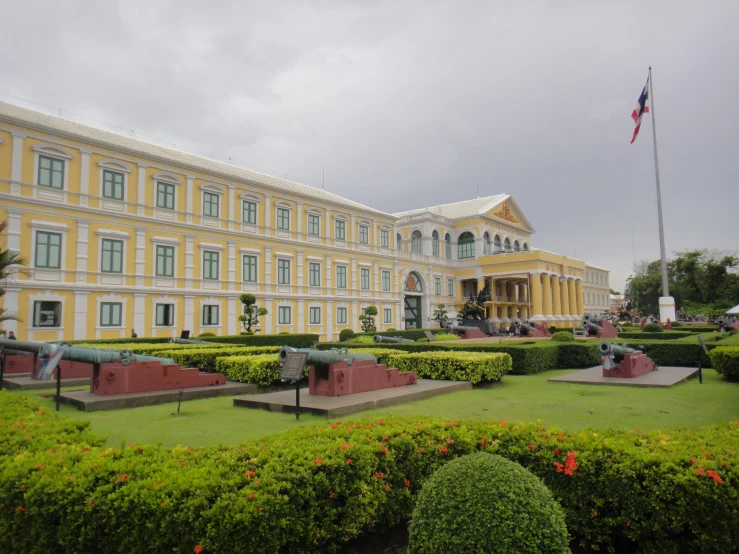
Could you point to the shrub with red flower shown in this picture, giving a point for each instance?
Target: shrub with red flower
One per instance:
(700, 471)
(249, 473)
(198, 549)
(715, 476)
(406, 482)
(443, 449)
(570, 463)
(122, 477)
(318, 461)
(532, 447)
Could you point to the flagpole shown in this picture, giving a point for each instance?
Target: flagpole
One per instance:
(665, 285)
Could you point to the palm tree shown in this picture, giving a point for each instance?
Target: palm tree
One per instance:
(9, 263)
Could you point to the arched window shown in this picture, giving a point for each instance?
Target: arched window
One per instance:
(487, 247)
(525, 247)
(448, 246)
(398, 241)
(435, 244)
(516, 246)
(466, 246)
(507, 244)
(416, 242)
(496, 244)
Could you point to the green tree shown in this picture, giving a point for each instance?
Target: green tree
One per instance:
(367, 319)
(440, 315)
(10, 263)
(250, 317)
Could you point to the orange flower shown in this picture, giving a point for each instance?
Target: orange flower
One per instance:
(21, 509)
(379, 475)
(555, 451)
(349, 461)
(570, 463)
(386, 487)
(484, 443)
(330, 494)
(443, 449)
(700, 471)
(261, 509)
(251, 496)
(123, 477)
(183, 463)
(385, 437)
(532, 447)
(318, 461)
(381, 422)
(345, 446)
(715, 476)
(406, 482)
(249, 473)
(421, 450)
(693, 461)
(560, 467)
(198, 549)
(503, 422)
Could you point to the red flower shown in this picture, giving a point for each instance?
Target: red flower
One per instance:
(450, 440)
(349, 461)
(532, 447)
(261, 509)
(560, 467)
(318, 461)
(21, 509)
(700, 471)
(249, 473)
(715, 476)
(198, 549)
(381, 422)
(386, 487)
(443, 449)
(345, 446)
(693, 461)
(595, 513)
(560, 436)
(50, 451)
(568, 472)
(183, 463)
(421, 450)
(484, 443)
(330, 494)
(571, 464)
(385, 437)
(406, 482)
(555, 451)
(334, 426)
(385, 450)
(379, 475)
(628, 524)
(123, 477)
(502, 422)
(162, 503)
(251, 496)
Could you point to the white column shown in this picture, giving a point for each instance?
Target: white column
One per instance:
(231, 206)
(328, 272)
(84, 176)
(231, 315)
(80, 316)
(139, 312)
(189, 261)
(300, 235)
(372, 234)
(266, 321)
(231, 266)
(267, 215)
(352, 231)
(300, 273)
(328, 225)
(376, 270)
(301, 316)
(354, 277)
(267, 269)
(190, 313)
(14, 231)
(141, 190)
(354, 319)
(188, 198)
(140, 258)
(11, 300)
(17, 163)
(83, 228)
(329, 320)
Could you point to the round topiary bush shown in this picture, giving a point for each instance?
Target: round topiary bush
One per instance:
(346, 334)
(485, 503)
(653, 328)
(563, 336)
(208, 334)
(677, 324)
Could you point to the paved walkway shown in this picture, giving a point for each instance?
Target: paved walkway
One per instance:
(23, 381)
(665, 377)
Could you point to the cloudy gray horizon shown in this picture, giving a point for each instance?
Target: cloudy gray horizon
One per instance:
(413, 104)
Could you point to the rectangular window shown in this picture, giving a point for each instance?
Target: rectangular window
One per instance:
(464, 289)
(385, 239)
(284, 315)
(112, 185)
(341, 316)
(363, 234)
(283, 219)
(340, 276)
(47, 314)
(165, 196)
(283, 272)
(112, 256)
(314, 274)
(437, 286)
(164, 315)
(450, 287)
(340, 229)
(48, 250)
(386, 280)
(210, 314)
(388, 315)
(110, 314)
(315, 316)
(314, 225)
(210, 204)
(50, 172)
(165, 261)
(210, 265)
(249, 212)
(364, 277)
(250, 269)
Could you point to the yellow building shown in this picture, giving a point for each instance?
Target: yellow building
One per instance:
(121, 234)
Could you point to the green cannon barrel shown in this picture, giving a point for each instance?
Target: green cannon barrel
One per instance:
(526, 327)
(22, 346)
(325, 357)
(380, 339)
(590, 326)
(462, 328)
(81, 353)
(618, 351)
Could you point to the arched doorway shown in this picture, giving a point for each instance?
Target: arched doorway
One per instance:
(413, 301)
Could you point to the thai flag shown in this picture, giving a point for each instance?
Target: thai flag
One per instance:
(641, 109)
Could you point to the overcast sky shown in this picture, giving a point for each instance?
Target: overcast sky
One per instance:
(409, 104)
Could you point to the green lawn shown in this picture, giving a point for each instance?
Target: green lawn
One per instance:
(526, 398)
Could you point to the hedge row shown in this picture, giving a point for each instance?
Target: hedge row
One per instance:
(205, 358)
(313, 489)
(261, 370)
(725, 360)
(454, 366)
(665, 335)
(413, 334)
(303, 340)
(147, 349)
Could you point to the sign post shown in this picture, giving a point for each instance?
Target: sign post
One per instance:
(292, 370)
(703, 348)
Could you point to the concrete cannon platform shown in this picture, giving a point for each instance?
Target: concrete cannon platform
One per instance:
(335, 406)
(20, 381)
(88, 402)
(664, 377)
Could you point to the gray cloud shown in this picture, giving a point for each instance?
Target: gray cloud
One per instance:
(420, 103)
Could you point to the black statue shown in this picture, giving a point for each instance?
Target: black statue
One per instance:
(474, 309)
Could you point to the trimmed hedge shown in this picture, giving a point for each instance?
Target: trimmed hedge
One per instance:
(653, 328)
(313, 489)
(664, 335)
(304, 340)
(725, 360)
(454, 366)
(261, 370)
(413, 334)
(563, 336)
(672, 354)
(147, 349)
(382, 354)
(205, 358)
(484, 503)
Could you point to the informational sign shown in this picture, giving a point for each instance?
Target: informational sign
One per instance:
(429, 335)
(48, 365)
(293, 366)
(703, 344)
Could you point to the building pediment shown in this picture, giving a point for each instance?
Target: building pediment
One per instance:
(507, 212)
